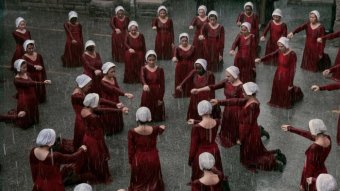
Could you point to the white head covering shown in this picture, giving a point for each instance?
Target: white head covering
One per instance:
(234, 71)
(213, 13)
(326, 182)
(82, 80)
(162, 7)
(18, 63)
(106, 67)
(247, 25)
(27, 42)
(250, 88)
(150, 52)
(316, 13)
(91, 100)
(206, 161)
(249, 4)
(203, 7)
(317, 126)
(277, 12)
(119, 8)
(202, 62)
(204, 108)
(284, 41)
(83, 187)
(183, 35)
(46, 137)
(72, 14)
(89, 43)
(143, 114)
(132, 23)
(18, 21)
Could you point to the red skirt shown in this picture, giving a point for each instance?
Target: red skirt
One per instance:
(133, 65)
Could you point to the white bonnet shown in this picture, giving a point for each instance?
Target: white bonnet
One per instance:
(234, 71)
(317, 126)
(27, 42)
(82, 80)
(18, 63)
(203, 7)
(119, 8)
(89, 43)
(213, 13)
(46, 137)
(202, 62)
(91, 100)
(150, 52)
(316, 13)
(106, 67)
(18, 21)
(72, 14)
(277, 12)
(206, 161)
(162, 7)
(284, 41)
(132, 23)
(183, 35)
(83, 187)
(249, 4)
(143, 114)
(204, 108)
(250, 88)
(247, 25)
(326, 182)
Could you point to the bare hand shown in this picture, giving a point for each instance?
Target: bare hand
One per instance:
(258, 60)
(238, 23)
(118, 31)
(84, 147)
(146, 88)
(162, 127)
(174, 59)
(47, 82)
(194, 91)
(238, 142)
(315, 88)
(191, 27)
(319, 40)
(179, 88)
(125, 110)
(326, 72)
(120, 105)
(201, 37)
(37, 67)
(214, 102)
(128, 95)
(336, 111)
(220, 58)
(154, 27)
(190, 121)
(74, 41)
(290, 35)
(290, 87)
(97, 72)
(263, 38)
(309, 180)
(160, 102)
(21, 114)
(284, 128)
(232, 52)
(132, 50)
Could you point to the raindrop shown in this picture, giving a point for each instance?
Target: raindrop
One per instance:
(4, 149)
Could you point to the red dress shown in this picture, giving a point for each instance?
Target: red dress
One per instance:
(46, 174)
(203, 140)
(185, 64)
(146, 171)
(245, 57)
(213, 46)
(155, 81)
(335, 70)
(276, 32)
(229, 128)
(254, 21)
(197, 185)
(134, 61)
(164, 38)
(19, 38)
(313, 50)
(316, 156)
(37, 75)
(118, 47)
(198, 44)
(91, 64)
(73, 51)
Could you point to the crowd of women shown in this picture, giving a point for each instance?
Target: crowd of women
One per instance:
(99, 111)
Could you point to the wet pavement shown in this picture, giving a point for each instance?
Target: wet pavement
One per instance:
(47, 30)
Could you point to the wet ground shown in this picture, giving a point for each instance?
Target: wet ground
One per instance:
(47, 30)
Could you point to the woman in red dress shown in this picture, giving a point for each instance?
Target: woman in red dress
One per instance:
(198, 22)
(74, 41)
(152, 78)
(282, 89)
(36, 68)
(184, 58)
(144, 161)
(232, 86)
(45, 164)
(119, 24)
(20, 35)
(164, 42)
(203, 136)
(253, 154)
(110, 90)
(246, 53)
(316, 154)
(277, 29)
(212, 35)
(134, 54)
(92, 64)
(313, 51)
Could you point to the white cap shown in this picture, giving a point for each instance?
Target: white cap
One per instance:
(249, 4)
(119, 8)
(206, 161)
(326, 182)
(18, 21)
(143, 114)
(162, 7)
(316, 13)
(89, 43)
(234, 71)
(250, 88)
(150, 52)
(46, 137)
(202, 62)
(91, 100)
(27, 42)
(317, 126)
(72, 14)
(18, 63)
(277, 12)
(82, 80)
(213, 13)
(83, 187)
(106, 67)
(132, 23)
(247, 25)
(204, 108)
(183, 35)
(203, 7)
(284, 41)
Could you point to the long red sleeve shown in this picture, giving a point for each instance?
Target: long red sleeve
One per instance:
(219, 85)
(236, 42)
(233, 101)
(330, 87)
(301, 132)
(265, 31)
(270, 56)
(331, 36)
(301, 27)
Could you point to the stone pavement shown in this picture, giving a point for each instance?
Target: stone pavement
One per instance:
(47, 30)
